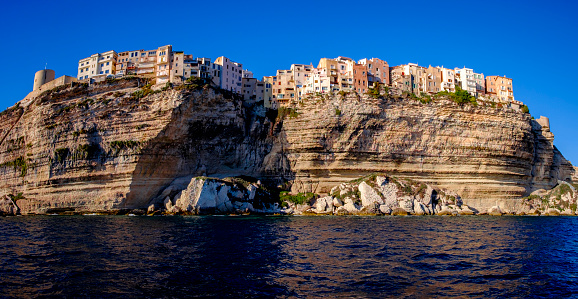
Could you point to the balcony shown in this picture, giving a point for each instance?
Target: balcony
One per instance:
(146, 65)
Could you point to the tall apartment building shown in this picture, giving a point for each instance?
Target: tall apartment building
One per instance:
(331, 68)
(480, 84)
(360, 78)
(255, 91)
(318, 81)
(500, 87)
(345, 71)
(448, 80)
(465, 80)
(99, 65)
(161, 63)
(433, 80)
(199, 67)
(164, 64)
(301, 74)
(231, 74)
(409, 77)
(377, 70)
(284, 87)
(269, 99)
(139, 62)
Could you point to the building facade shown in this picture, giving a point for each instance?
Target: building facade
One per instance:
(231, 74)
(99, 65)
(377, 70)
(500, 87)
(448, 80)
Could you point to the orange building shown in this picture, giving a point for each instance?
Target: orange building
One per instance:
(360, 78)
(433, 80)
(377, 70)
(500, 87)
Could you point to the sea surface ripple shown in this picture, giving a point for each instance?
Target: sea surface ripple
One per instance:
(249, 257)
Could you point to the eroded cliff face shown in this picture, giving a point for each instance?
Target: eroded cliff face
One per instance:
(119, 145)
(116, 145)
(487, 155)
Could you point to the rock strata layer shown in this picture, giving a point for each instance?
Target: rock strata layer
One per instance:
(123, 145)
(483, 153)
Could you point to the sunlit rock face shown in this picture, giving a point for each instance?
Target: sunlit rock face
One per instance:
(120, 145)
(104, 147)
(487, 155)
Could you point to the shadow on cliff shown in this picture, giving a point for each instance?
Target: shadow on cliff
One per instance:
(549, 165)
(210, 134)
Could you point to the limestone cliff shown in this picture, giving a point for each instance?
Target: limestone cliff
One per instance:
(117, 144)
(121, 145)
(486, 154)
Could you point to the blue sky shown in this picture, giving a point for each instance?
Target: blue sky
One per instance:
(524, 40)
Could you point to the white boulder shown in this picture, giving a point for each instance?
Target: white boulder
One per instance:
(368, 195)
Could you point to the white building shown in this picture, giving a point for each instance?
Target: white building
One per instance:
(301, 74)
(199, 67)
(97, 65)
(448, 80)
(164, 64)
(465, 79)
(318, 81)
(231, 74)
(480, 82)
(247, 74)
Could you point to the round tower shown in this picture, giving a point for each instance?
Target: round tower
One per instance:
(41, 77)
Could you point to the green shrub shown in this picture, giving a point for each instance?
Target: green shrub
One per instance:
(300, 198)
(61, 154)
(460, 96)
(525, 109)
(86, 151)
(16, 197)
(337, 112)
(374, 91)
(284, 112)
(18, 164)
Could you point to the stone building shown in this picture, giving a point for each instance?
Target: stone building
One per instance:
(500, 87)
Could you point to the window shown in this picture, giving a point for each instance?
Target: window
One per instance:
(107, 63)
(106, 72)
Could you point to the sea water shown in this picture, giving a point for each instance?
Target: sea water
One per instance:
(249, 256)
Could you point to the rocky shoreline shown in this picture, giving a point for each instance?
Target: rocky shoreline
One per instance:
(373, 195)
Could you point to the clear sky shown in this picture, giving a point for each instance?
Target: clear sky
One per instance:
(533, 42)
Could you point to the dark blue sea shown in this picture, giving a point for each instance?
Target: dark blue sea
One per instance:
(250, 257)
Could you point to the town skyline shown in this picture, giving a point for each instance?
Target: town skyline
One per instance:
(287, 87)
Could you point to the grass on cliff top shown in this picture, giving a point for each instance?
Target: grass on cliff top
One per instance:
(460, 96)
(375, 91)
